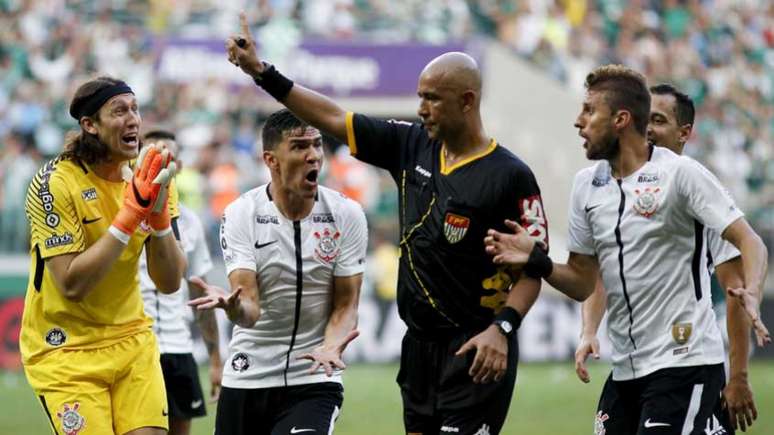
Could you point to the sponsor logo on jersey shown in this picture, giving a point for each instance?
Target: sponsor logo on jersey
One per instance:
(483, 431)
(89, 194)
(240, 362)
(680, 351)
(600, 181)
(46, 198)
(533, 219)
(57, 240)
(72, 421)
(450, 429)
(265, 219)
(323, 218)
(455, 227)
(647, 178)
(599, 423)
(327, 245)
(681, 332)
(647, 201)
(423, 171)
(56, 337)
(714, 427)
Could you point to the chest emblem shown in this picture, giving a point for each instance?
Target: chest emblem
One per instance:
(455, 227)
(647, 201)
(327, 245)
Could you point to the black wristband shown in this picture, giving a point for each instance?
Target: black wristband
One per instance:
(274, 83)
(539, 264)
(509, 315)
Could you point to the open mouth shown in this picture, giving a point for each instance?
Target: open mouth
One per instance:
(130, 139)
(312, 175)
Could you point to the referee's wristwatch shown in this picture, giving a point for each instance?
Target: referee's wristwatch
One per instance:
(504, 327)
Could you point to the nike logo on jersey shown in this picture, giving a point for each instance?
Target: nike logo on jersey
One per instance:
(294, 430)
(196, 403)
(263, 245)
(649, 424)
(87, 221)
(144, 202)
(588, 209)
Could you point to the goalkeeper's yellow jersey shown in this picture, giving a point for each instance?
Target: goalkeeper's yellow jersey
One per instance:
(69, 208)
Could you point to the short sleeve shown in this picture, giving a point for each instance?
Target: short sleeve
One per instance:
(720, 249)
(532, 214)
(351, 259)
(55, 226)
(235, 240)
(580, 238)
(377, 142)
(706, 199)
(199, 260)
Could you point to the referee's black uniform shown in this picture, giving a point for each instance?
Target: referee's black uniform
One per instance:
(448, 287)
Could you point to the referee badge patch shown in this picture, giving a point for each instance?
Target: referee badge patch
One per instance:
(455, 227)
(647, 201)
(681, 332)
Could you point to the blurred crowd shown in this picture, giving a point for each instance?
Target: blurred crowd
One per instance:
(721, 52)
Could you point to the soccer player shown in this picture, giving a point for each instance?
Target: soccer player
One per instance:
(459, 356)
(670, 124)
(638, 217)
(295, 255)
(87, 347)
(168, 311)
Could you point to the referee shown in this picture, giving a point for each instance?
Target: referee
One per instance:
(459, 356)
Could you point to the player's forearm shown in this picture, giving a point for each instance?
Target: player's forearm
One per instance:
(592, 310)
(245, 314)
(755, 262)
(523, 294)
(317, 110)
(738, 339)
(343, 320)
(571, 281)
(166, 263)
(81, 275)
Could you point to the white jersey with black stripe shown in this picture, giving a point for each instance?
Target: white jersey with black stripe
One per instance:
(648, 232)
(170, 313)
(295, 263)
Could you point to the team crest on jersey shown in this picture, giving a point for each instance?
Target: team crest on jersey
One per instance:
(327, 245)
(240, 362)
(599, 423)
(455, 227)
(72, 421)
(647, 201)
(56, 337)
(681, 332)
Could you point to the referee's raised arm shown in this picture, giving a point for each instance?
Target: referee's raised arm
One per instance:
(310, 106)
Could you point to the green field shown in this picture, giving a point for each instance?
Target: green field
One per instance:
(549, 400)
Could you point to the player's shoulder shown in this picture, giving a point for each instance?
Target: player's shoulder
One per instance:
(504, 160)
(252, 200)
(596, 175)
(338, 203)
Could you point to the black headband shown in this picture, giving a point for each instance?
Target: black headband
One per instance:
(89, 106)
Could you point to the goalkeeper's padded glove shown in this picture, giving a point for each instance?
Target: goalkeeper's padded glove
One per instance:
(159, 218)
(142, 189)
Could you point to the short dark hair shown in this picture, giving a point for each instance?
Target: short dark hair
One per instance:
(624, 89)
(83, 145)
(685, 110)
(277, 126)
(159, 134)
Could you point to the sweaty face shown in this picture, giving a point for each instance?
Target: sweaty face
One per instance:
(663, 128)
(595, 126)
(118, 126)
(299, 159)
(438, 107)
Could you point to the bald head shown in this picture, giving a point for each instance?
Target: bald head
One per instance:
(455, 69)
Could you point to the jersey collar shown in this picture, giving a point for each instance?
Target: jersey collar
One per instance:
(448, 170)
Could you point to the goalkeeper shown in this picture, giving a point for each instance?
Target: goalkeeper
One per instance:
(87, 346)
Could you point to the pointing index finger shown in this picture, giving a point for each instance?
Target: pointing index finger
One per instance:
(243, 24)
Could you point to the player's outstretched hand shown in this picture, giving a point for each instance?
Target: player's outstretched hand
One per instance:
(510, 249)
(738, 401)
(589, 345)
(491, 360)
(329, 356)
(749, 301)
(240, 48)
(216, 297)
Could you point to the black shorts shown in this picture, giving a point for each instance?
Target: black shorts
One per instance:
(311, 408)
(681, 400)
(439, 395)
(184, 392)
